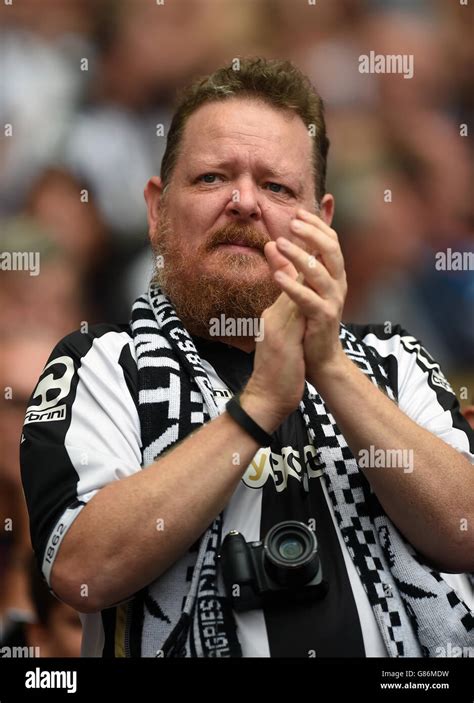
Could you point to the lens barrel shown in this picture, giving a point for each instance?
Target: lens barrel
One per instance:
(291, 553)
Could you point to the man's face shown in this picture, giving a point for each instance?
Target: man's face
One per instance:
(243, 169)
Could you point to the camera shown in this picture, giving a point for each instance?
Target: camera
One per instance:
(284, 567)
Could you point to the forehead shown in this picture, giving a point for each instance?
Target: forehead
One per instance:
(248, 127)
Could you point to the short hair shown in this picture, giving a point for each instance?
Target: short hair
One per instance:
(278, 83)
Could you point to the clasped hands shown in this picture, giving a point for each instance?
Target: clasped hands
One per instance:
(310, 271)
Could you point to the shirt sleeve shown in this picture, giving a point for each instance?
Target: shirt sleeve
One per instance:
(424, 393)
(81, 432)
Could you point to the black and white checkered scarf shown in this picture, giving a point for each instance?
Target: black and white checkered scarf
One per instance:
(182, 614)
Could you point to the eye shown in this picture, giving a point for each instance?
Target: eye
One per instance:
(278, 188)
(208, 178)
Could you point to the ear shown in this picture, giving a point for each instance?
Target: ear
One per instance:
(327, 208)
(153, 193)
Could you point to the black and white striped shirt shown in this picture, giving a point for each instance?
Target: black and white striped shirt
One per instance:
(82, 431)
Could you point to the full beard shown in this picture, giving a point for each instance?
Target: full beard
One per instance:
(233, 286)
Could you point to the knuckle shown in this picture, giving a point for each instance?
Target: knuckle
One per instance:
(330, 313)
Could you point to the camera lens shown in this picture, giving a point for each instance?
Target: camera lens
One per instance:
(291, 553)
(290, 548)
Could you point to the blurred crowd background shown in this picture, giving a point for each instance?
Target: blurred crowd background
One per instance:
(88, 88)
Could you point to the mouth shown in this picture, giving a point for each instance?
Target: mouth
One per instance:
(240, 247)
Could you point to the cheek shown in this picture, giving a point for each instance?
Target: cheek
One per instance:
(195, 216)
(277, 221)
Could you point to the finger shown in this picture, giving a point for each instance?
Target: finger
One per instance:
(313, 219)
(323, 244)
(283, 305)
(295, 314)
(307, 300)
(277, 261)
(315, 273)
(286, 314)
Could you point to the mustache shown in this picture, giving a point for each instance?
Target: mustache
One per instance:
(237, 234)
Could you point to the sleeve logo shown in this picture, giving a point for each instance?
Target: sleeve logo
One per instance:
(427, 363)
(49, 410)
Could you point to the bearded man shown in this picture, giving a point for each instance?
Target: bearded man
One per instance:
(197, 493)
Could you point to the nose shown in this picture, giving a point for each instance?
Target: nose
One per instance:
(243, 203)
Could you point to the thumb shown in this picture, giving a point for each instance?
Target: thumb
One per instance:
(277, 261)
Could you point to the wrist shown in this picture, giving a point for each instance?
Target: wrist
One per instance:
(330, 370)
(261, 410)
